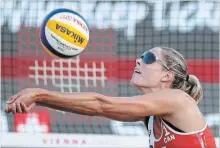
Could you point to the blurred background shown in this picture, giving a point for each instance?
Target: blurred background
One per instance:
(120, 31)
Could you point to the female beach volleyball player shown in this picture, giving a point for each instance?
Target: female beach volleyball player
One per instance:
(168, 105)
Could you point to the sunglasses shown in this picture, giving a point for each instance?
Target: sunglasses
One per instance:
(149, 58)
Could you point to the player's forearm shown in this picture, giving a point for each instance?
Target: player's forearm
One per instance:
(89, 103)
(82, 103)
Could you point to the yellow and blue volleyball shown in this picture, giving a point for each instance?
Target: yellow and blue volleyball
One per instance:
(64, 33)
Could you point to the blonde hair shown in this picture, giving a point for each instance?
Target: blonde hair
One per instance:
(182, 80)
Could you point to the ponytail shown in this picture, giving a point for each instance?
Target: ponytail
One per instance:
(195, 91)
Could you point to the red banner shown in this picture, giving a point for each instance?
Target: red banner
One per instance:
(33, 122)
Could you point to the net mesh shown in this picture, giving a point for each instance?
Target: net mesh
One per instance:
(120, 31)
(67, 75)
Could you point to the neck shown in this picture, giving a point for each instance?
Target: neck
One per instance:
(146, 90)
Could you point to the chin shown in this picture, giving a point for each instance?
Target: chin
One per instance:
(135, 83)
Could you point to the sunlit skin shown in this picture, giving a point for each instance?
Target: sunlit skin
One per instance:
(152, 77)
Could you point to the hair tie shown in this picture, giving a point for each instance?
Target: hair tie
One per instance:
(191, 88)
(187, 77)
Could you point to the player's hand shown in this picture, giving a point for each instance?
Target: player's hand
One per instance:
(23, 101)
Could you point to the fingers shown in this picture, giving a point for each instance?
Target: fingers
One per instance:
(24, 107)
(18, 107)
(7, 110)
(13, 108)
(13, 98)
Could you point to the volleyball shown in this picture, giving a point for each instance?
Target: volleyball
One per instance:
(64, 33)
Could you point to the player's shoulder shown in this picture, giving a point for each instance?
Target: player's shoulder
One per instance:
(176, 95)
(172, 93)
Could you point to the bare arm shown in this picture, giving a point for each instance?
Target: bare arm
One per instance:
(117, 108)
(81, 103)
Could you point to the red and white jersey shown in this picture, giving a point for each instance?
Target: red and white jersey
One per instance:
(171, 138)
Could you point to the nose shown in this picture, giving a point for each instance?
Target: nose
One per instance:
(138, 62)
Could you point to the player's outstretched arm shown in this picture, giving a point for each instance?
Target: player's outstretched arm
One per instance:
(89, 103)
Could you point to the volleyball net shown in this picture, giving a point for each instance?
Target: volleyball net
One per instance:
(120, 31)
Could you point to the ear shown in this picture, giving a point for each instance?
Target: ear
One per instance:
(168, 76)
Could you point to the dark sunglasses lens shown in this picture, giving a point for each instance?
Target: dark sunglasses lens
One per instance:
(148, 58)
